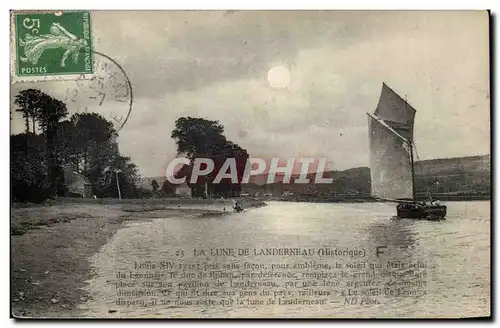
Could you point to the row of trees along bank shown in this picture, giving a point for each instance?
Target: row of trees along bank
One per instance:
(85, 143)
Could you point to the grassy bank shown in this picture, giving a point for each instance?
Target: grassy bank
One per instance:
(51, 244)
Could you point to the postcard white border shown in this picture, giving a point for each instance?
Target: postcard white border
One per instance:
(198, 4)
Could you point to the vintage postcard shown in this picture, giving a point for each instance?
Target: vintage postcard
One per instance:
(250, 164)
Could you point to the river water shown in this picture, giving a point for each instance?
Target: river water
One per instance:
(455, 253)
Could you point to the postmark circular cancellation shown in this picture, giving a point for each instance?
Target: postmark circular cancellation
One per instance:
(108, 92)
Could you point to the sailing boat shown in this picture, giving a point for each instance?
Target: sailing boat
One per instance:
(392, 161)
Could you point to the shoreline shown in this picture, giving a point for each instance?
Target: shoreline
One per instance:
(371, 200)
(51, 246)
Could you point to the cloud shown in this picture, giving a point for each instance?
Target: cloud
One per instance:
(214, 65)
(169, 52)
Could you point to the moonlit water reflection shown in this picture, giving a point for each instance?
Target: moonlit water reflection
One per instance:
(456, 253)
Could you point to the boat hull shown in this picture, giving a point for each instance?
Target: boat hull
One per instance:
(420, 211)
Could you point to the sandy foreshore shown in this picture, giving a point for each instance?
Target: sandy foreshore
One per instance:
(51, 245)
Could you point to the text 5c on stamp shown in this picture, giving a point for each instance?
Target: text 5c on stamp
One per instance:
(52, 43)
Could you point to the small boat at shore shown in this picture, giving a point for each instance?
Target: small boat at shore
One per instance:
(392, 151)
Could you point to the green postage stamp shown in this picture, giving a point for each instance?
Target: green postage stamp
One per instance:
(52, 43)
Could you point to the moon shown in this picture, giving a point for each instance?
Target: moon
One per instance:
(278, 77)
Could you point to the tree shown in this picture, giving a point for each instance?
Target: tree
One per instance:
(155, 185)
(28, 175)
(51, 111)
(88, 144)
(30, 102)
(168, 189)
(88, 138)
(226, 187)
(197, 188)
(200, 138)
(197, 137)
(48, 111)
(106, 186)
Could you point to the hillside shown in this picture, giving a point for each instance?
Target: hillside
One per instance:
(468, 175)
(461, 175)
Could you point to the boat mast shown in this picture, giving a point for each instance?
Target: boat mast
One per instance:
(410, 143)
(413, 173)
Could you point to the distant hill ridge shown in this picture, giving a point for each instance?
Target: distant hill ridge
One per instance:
(434, 167)
(465, 175)
(443, 175)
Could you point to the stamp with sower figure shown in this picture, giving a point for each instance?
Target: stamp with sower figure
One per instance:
(52, 43)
